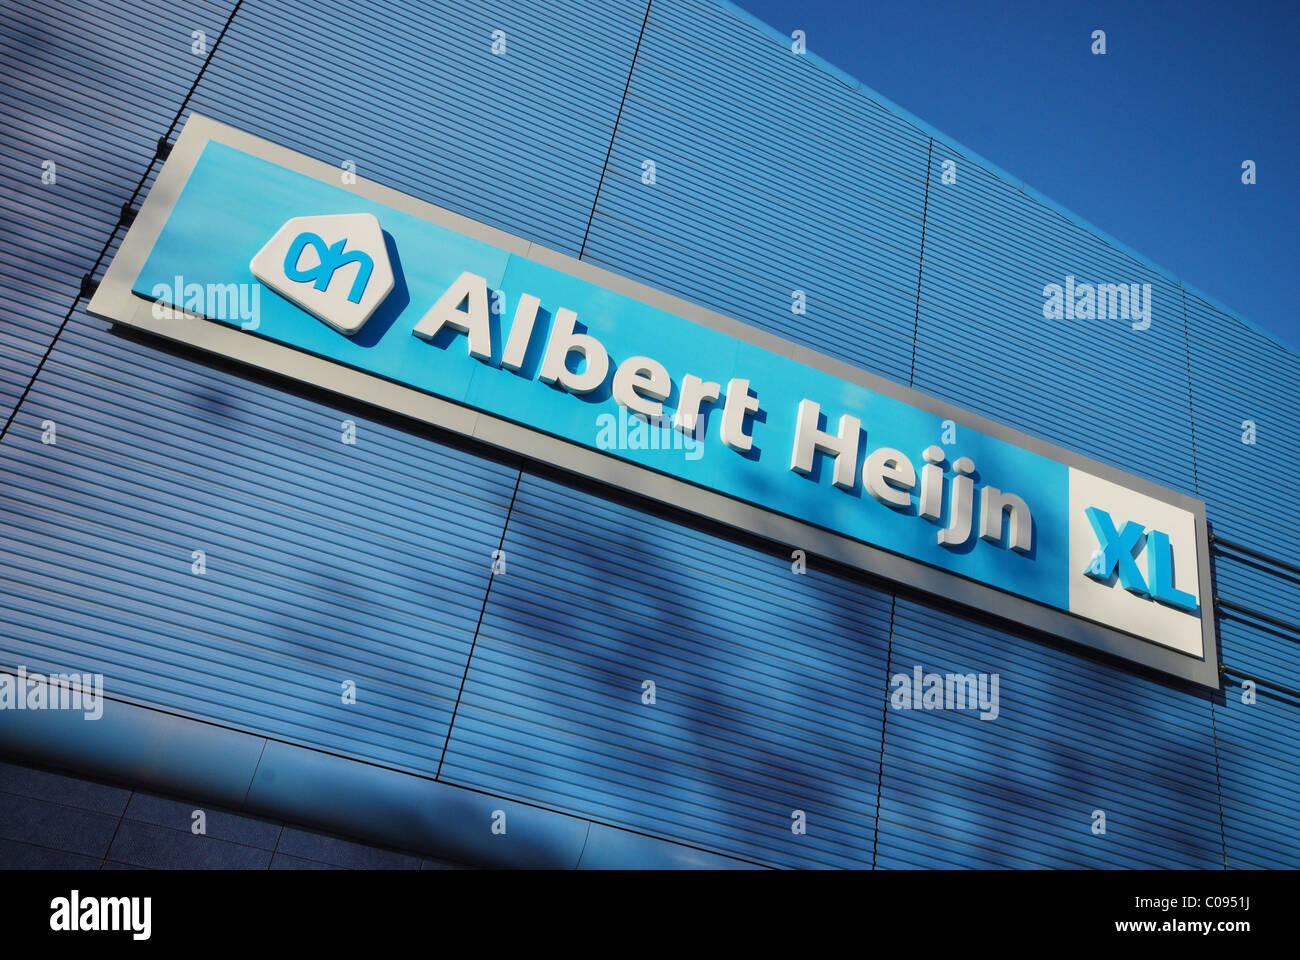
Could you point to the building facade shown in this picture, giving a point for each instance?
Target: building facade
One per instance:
(230, 548)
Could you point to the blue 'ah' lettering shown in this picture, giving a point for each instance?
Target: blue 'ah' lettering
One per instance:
(331, 258)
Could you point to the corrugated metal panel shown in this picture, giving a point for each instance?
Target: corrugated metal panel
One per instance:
(1252, 591)
(326, 562)
(1072, 735)
(1239, 375)
(413, 95)
(1250, 493)
(767, 684)
(1260, 779)
(91, 87)
(1097, 386)
(771, 176)
(303, 591)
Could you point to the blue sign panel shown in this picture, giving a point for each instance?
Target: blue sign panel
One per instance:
(234, 203)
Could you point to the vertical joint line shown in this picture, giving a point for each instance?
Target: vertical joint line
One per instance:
(204, 68)
(270, 864)
(920, 267)
(1191, 405)
(479, 625)
(1218, 783)
(113, 839)
(614, 136)
(585, 840)
(884, 718)
(256, 767)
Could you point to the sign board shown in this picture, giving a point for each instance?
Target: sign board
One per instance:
(258, 253)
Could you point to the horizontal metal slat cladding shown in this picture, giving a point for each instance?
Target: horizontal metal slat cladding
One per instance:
(1259, 616)
(1071, 735)
(413, 95)
(1259, 778)
(766, 684)
(738, 218)
(119, 69)
(326, 562)
(1245, 388)
(1099, 386)
(1259, 627)
(1244, 392)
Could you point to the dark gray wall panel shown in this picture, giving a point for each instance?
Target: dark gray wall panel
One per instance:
(134, 830)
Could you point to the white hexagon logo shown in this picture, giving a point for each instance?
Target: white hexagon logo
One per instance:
(335, 267)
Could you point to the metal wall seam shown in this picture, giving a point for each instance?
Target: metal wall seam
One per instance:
(242, 481)
(1252, 644)
(370, 562)
(212, 764)
(738, 218)
(498, 566)
(1260, 780)
(1244, 389)
(884, 729)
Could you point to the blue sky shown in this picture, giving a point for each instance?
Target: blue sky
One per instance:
(1146, 142)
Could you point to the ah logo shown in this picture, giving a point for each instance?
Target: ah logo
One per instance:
(335, 267)
(1116, 554)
